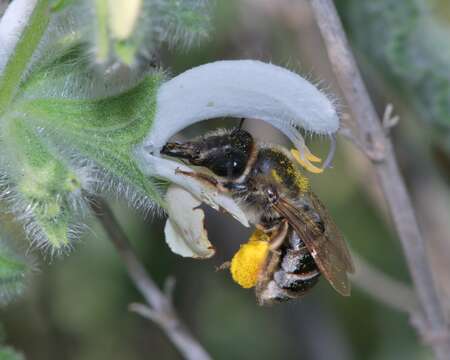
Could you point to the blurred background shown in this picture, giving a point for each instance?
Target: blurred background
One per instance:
(75, 306)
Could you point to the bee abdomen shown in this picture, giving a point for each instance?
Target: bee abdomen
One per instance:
(273, 294)
(298, 261)
(296, 282)
(298, 271)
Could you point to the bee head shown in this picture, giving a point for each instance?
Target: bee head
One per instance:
(225, 154)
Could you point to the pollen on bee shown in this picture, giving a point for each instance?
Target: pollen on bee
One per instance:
(302, 182)
(276, 176)
(248, 261)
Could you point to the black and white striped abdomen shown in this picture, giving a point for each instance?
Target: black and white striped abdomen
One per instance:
(298, 271)
(296, 274)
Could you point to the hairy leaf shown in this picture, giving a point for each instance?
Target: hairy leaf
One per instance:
(104, 131)
(46, 191)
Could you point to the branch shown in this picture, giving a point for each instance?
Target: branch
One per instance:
(379, 148)
(160, 308)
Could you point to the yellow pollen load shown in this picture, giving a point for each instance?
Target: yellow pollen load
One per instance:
(248, 261)
(306, 163)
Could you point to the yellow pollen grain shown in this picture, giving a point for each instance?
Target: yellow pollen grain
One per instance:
(302, 182)
(248, 261)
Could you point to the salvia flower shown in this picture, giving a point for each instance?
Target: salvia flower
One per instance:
(239, 89)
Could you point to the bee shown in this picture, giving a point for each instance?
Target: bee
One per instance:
(265, 180)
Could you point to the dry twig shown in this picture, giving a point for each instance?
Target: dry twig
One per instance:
(159, 306)
(380, 150)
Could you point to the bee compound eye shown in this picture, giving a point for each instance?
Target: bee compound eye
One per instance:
(228, 164)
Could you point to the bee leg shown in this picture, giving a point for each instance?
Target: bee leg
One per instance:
(272, 264)
(273, 259)
(265, 274)
(226, 265)
(279, 235)
(209, 180)
(268, 226)
(263, 228)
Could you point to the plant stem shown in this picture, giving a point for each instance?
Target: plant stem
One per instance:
(380, 150)
(160, 308)
(21, 29)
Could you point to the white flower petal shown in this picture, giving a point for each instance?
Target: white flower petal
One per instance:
(184, 231)
(241, 88)
(12, 25)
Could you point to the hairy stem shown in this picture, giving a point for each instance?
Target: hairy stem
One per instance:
(380, 150)
(159, 306)
(21, 29)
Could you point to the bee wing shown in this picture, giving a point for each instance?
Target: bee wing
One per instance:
(327, 247)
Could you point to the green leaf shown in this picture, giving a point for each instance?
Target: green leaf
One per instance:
(61, 140)
(104, 131)
(45, 186)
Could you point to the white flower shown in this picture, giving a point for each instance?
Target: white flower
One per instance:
(239, 89)
(185, 232)
(12, 24)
